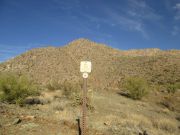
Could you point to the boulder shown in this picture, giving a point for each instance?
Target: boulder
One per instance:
(16, 121)
(33, 100)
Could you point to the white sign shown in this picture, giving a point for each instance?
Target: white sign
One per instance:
(85, 67)
(85, 75)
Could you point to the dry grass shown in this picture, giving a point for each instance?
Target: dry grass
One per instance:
(50, 96)
(135, 123)
(165, 125)
(58, 105)
(66, 114)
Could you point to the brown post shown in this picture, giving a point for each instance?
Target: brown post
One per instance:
(84, 108)
(85, 68)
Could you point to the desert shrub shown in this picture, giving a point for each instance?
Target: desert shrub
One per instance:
(136, 87)
(78, 100)
(15, 88)
(53, 85)
(169, 101)
(172, 88)
(70, 90)
(165, 124)
(177, 85)
(58, 106)
(73, 91)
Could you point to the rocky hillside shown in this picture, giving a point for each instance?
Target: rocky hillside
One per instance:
(110, 66)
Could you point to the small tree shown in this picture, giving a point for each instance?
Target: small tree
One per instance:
(14, 88)
(136, 87)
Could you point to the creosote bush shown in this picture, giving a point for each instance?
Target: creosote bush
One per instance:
(136, 87)
(53, 85)
(15, 88)
(72, 90)
(172, 88)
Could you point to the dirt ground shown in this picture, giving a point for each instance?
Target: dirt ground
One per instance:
(113, 115)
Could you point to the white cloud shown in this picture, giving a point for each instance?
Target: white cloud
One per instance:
(177, 10)
(177, 6)
(126, 22)
(131, 18)
(141, 10)
(175, 31)
(177, 17)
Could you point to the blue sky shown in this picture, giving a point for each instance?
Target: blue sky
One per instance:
(123, 24)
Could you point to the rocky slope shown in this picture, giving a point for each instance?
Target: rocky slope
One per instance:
(110, 66)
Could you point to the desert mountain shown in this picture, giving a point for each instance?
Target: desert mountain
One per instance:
(110, 66)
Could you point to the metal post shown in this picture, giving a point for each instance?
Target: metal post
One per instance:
(85, 68)
(84, 108)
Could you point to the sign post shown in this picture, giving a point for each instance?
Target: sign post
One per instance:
(85, 68)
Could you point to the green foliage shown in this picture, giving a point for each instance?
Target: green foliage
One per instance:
(177, 85)
(136, 87)
(172, 88)
(15, 88)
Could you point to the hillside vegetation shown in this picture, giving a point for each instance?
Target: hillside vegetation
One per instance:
(129, 92)
(110, 66)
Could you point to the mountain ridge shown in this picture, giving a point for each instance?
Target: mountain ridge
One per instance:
(110, 66)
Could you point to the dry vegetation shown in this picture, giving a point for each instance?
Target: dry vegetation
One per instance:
(150, 76)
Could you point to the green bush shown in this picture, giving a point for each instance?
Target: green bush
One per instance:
(172, 88)
(15, 88)
(136, 87)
